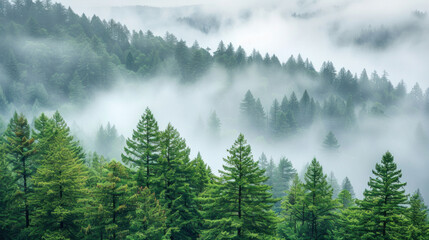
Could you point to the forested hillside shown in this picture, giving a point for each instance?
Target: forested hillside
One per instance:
(51, 56)
(56, 184)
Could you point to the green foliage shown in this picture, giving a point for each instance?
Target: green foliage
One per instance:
(143, 149)
(112, 205)
(175, 190)
(383, 206)
(149, 221)
(319, 203)
(284, 173)
(243, 200)
(19, 151)
(9, 212)
(417, 215)
(59, 189)
(293, 212)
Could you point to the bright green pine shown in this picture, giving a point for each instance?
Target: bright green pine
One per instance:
(417, 215)
(149, 222)
(348, 224)
(318, 200)
(112, 206)
(142, 149)
(345, 199)
(293, 212)
(202, 174)
(243, 201)
(176, 194)
(59, 190)
(384, 202)
(58, 122)
(20, 151)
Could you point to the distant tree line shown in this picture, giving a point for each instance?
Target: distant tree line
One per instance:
(49, 56)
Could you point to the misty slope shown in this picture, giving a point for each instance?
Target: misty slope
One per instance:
(157, 120)
(89, 54)
(52, 58)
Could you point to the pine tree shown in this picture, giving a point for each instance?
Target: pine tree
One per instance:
(294, 211)
(9, 222)
(142, 150)
(274, 121)
(259, 118)
(19, 154)
(243, 200)
(248, 108)
(113, 193)
(330, 141)
(384, 202)
(318, 201)
(201, 174)
(58, 123)
(270, 172)
(149, 220)
(345, 199)
(59, 190)
(284, 174)
(417, 215)
(347, 185)
(176, 194)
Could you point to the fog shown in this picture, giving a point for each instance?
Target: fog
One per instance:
(354, 34)
(188, 107)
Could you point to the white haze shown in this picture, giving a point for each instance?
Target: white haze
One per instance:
(268, 26)
(183, 106)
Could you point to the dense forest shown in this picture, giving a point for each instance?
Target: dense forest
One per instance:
(51, 189)
(147, 186)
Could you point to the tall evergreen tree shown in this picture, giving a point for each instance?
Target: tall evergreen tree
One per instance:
(9, 222)
(284, 174)
(176, 194)
(59, 190)
(318, 200)
(19, 154)
(142, 149)
(247, 108)
(384, 202)
(294, 211)
(417, 214)
(244, 202)
(113, 193)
